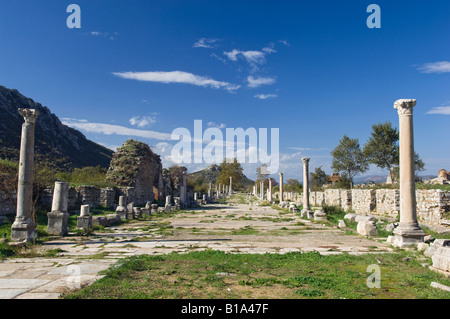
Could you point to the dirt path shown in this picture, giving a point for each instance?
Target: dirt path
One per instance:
(234, 227)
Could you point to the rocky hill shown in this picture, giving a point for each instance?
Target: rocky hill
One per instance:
(211, 173)
(55, 142)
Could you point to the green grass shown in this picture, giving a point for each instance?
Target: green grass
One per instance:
(246, 230)
(285, 276)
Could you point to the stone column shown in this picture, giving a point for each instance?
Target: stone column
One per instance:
(58, 217)
(121, 210)
(281, 188)
(84, 221)
(24, 227)
(306, 206)
(183, 190)
(231, 185)
(262, 190)
(269, 194)
(408, 231)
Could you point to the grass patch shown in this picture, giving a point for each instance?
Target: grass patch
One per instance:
(246, 230)
(287, 276)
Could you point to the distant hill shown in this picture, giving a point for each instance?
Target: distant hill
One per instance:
(211, 173)
(55, 142)
(370, 178)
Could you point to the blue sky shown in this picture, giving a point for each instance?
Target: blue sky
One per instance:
(139, 69)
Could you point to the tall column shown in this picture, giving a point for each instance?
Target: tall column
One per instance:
(183, 190)
(408, 231)
(306, 206)
(231, 184)
(58, 217)
(269, 194)
(281, 188)
(24, 227)
(262, 190)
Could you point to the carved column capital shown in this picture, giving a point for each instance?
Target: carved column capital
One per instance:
(405, 106)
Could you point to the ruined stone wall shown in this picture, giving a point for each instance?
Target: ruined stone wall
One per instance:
(431, 204)
(333, 197)
(363, 200)
(6, 207)
(387, 202)
(316, 198)
(346, 199)
(107, 197)
(89, 195)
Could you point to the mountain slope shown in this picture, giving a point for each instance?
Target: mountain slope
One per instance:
(55, 142)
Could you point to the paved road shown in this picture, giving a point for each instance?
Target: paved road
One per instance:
(236, 228)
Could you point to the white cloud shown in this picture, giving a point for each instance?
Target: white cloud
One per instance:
(435, 67)
(265, 96)
(205, 43)
(177, 77)
(257, 82)
(284, 42)
(110, 129)
(253, 58)
(214, 124)
(96, 33)
(440, 110)
(142, 121)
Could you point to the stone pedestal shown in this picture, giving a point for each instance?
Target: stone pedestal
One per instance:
(154, 208)
(121, 210)
(408, 232)
(24, 227)
(84, 221)
(58, 217)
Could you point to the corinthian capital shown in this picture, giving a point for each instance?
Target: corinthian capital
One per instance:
(305, 160)
(405, 106)
(29, 115)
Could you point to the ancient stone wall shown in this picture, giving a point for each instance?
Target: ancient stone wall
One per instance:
(107, 197)
(7, 208)
(387, 202)
(333, 197)
(431, 204)
(363, 200)
(89, 195)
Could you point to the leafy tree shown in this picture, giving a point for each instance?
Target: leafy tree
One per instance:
(262, 173)
(349, 158)
(318, 178)
(8, 179)
(232, 169)
(293, 185)
(382, 147)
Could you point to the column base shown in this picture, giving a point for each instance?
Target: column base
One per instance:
(408, 235)
(84, 222)
(57, 223)
(23, 229)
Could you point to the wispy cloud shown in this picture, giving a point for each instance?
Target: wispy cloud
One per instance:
(177, 77)
(109, 35)
(265, 96)
(143, 121)
(214, 124)
(110, 129)
(208, 43)
(253, 57)
(284, 42)
(435, 67)
(257, 82)
(440, 110)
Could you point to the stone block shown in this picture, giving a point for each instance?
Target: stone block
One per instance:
(367, 228)
(84, 222)
(57, 223)
(341, 224)
(99, 221)
(441, 260)
(113, 219)
(320, 215)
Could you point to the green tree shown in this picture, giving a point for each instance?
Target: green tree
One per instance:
(232, 169)
(382, 147)
(349, 159)
(318, 177)
(293, 185)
